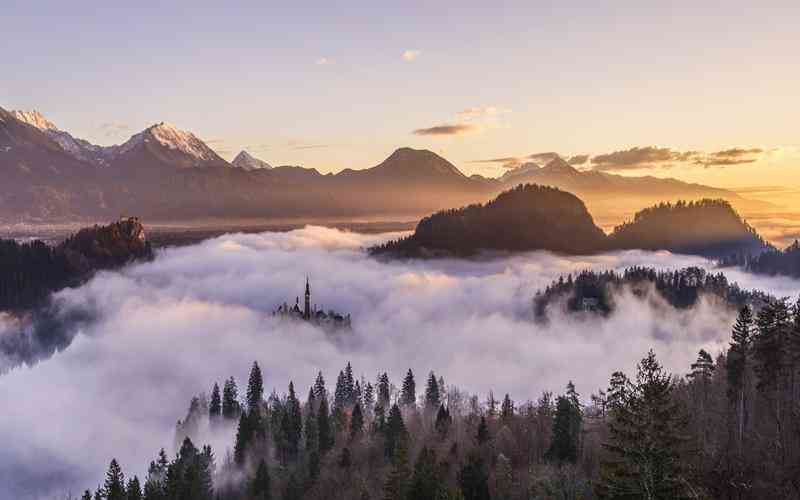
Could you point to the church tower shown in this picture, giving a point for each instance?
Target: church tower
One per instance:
(307, 310)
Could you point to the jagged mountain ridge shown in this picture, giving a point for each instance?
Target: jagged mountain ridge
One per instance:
(166, 173)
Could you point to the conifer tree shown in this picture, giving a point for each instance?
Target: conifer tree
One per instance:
(114, 487)
(443, 420)
(507, 408)
(396, 486)
(491, 405)
(324, 428)
(294, 419)
(311, 432)
(408, 396)
(738, 367)
(474, 479)
(483, 431)
(255, 389)
(230, 403)
(564, 446)
(384, 394)
(87, 495)
(425, 481)
(133, 489)
(244, 434)
(433, 397)
(646, 435)
(320, 392)
(349, 385)
(215, 406)
(395, 430)
(340, 392)
(260, 487)
(356, 422)
(369, 399)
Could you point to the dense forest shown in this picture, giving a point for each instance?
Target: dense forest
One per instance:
(29, 272)
(595, 292)
(528, 217)
(727, 429)
(532, 217)
(710, 228)
(773, 262)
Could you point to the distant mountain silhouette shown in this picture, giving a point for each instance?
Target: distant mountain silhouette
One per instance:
(165, 173)
(711, 228)
(528, 217)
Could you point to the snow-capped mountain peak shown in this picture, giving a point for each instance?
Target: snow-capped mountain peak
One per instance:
(35, 119)
(249, 162)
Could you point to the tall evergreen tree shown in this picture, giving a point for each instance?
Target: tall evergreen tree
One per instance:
(395, 430)
(215, 406)
(349, 385)
(87, 495)
(384, 391)
(474, 479)
(255, 389)
(311, 431)
(134, 489)
(294, 418)
(564, 446)
(356, 422)
(320, 392)
(396, 486)
(244, 434)
(646, 436)
(114, 486)
(443, 420)
(433, 396)
(507, 408)
(426, 483)
(408, 396)
(260, 487)
(230, 399)
(483, 431)
(737, 366)
(369, 399)
(324, 428)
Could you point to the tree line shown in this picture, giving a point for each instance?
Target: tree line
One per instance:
(728, 428)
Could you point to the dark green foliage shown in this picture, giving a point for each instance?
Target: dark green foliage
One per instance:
(507, 408)
(215, 405)
(255, 389)
(230, 402)
(134, 489)
(356, 422)
(87, 495)
(474, 479)
(773, 261)
(513, 221)
(293, 422)
(324, 428)
(426, 483)
(443, 420)
(408, 396)
(293, 490)
(433, 397)
(383, 391)
(260, 487)
(395, 431)
(646, 437)
(320, 392)
(594, 292)
(396, 485)
(483, 431)
(564, 447)
(114, 486)
(244, 435)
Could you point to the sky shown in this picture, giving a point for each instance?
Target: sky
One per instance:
(332, 85)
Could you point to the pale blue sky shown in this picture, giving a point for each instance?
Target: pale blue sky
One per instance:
(585, 77)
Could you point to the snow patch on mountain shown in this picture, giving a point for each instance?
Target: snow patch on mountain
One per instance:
(35, 119)
(249, 162)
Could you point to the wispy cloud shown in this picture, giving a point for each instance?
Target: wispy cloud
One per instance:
(411, 55)
(112, 129)
(448, 129)
(728, 157)
(483, 112)
(641, 157)
(324, 61)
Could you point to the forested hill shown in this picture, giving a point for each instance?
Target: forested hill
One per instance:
(650, 435)
(29, 272)
(710, 228)
(597, 292)
(528, 217)
(773, 262)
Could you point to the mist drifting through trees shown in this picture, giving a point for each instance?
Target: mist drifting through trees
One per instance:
(171, 328)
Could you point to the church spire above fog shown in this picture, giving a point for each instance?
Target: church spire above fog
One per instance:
(317, 316)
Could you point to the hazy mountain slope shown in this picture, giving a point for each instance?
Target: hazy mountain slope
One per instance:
(249, 162)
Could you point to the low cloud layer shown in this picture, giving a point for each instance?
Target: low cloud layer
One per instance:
(168, 329)
(448, 129)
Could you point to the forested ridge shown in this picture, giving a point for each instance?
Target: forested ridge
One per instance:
(784, 262)
(596, 291)
(728, 428)
(30, 271)
(532, 217)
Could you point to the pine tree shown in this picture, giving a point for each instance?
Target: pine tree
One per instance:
(507, 408)
(408, 396)
(324, 428)
(215, 406)
(443, 420)
(349, 385)
(134, 489)
(356, 422)
(564, 446)
(255, 389)
(491, 405)
(395, 430)
(114, 486)
(396, 486)
(483, 431)
(384, 394)
(87, 495)
(310, 424)
(230, 403)
(474, 480)
(294, 431)
(260, 488)
(738, 368)
(433, 397)
(425, 481)
(645, 439)
(369, 398)
(244, 434)
(340, 395)
(320, 392)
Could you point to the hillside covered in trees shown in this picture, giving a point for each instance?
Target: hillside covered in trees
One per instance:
(772, 262)
(727, 429)
(532, 217)
(710, 228)
(528, 217)
(30, 271)
(596, 292)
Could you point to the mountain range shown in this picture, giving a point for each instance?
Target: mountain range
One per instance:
(165, 173)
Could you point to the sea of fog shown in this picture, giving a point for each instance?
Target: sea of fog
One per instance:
(167, 330)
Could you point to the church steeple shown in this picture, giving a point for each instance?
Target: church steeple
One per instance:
(307, 309)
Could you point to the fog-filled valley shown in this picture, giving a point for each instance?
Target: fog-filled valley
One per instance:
(163, 331)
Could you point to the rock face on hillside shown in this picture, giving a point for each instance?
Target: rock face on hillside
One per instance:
(710, 228)
(528, 217)
(106, 247)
